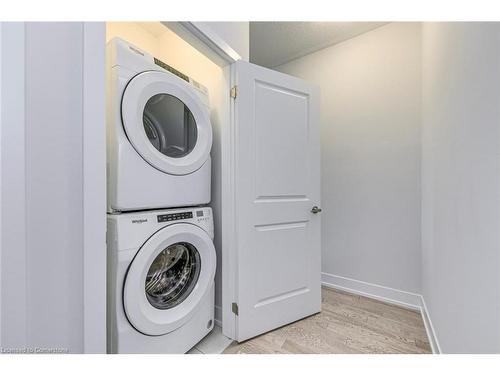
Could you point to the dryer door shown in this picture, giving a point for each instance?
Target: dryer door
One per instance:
(168, 278)
(166, 122)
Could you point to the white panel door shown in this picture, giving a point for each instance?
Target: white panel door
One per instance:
(276, 185)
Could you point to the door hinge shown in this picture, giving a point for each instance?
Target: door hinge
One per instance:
(234, 92)
(234, 308)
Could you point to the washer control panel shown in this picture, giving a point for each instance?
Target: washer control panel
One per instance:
(175, 216)
(135, 226)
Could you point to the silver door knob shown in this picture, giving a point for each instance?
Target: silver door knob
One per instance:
(315, 210)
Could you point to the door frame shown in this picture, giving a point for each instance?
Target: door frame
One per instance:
(205, 40)
(94, 187)
(228, 212)
(218, 51)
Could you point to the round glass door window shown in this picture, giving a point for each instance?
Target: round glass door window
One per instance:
(170, 126)
(172, 275)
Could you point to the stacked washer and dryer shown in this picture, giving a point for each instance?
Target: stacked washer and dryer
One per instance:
(161, 256)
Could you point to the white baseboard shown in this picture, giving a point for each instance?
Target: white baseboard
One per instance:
(431, 333)
(379, 292)
(393, 296)
(218, 316)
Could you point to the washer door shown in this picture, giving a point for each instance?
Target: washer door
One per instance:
(166, 122)
(168, 278)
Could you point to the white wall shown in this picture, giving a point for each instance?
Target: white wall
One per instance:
(460, 184)
(46, 216)
(54, 186)
(370, 140)
(12, 183)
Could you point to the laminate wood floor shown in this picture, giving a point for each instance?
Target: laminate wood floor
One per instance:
(347, 323)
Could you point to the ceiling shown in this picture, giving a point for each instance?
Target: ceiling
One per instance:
(275, 43)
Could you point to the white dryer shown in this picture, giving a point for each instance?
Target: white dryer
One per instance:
(159, 134)
(161, 269)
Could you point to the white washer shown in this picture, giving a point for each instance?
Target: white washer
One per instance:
(161, 269)
(159, 133)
